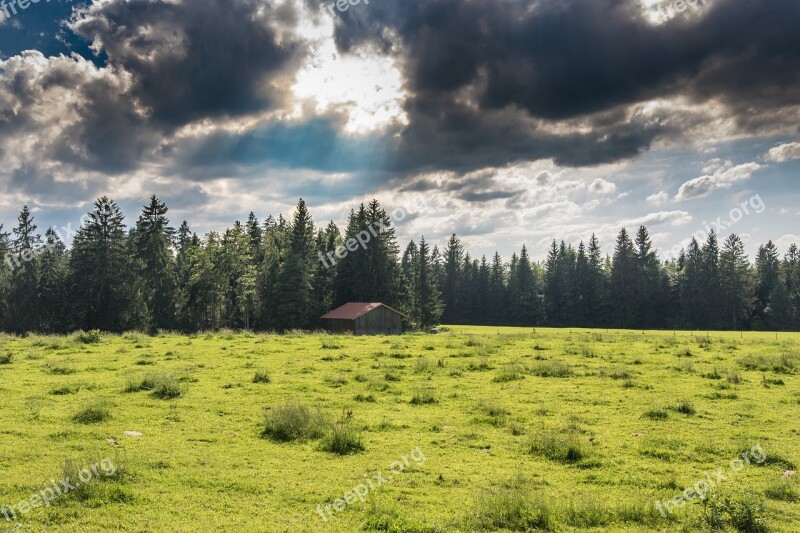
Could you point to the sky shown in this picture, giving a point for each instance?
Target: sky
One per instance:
(508, 122)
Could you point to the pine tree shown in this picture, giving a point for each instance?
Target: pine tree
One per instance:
(451, 286)
(767, 271)
(153, 248)
(736, 297)
(294, 286)
(100, 271)
(24, 294)
(624, 282)
(427, 303)
(53, 288)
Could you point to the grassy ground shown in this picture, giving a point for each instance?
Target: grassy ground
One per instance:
(501, 429)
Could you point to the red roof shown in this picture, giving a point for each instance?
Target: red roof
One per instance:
(353, 310)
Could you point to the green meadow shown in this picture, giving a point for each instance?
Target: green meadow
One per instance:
(494, 429)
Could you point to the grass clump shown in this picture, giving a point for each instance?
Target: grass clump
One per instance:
(261, 376)
(6, 359)
(293, 421)
(160, 385)
(512, 509)
(93, 412)
(367, 398)
(741, 512)
(564, 446)
(783, 490)
(685, 407)
(656, 414)
(424, 396)
(552, 369)
(343, 439)
(89, 337)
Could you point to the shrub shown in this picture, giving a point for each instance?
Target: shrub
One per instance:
(566, 446)
(512, 509)
(89, 337)
(343, 439)
(293, 421)
(261, 377)
(93, 412)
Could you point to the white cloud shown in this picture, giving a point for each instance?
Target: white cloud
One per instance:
(603, 187)
(658, 198)
(784, 152)
(724, 175)
(675, 218)
(786, 241)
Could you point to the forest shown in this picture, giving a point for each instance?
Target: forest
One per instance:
(268, 276)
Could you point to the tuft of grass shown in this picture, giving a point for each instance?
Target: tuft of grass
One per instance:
(261, 376)
(293, 421)
(511, 509)
(656, 414)
(742, 512)
(6, 359)
(509, 373)
(364, 398)
(65, 390)
(424, 396)
(343, 439)
(161, 385)
(552, 369)
(783, 490)
(564, 446)
(59, 370)
(685, 407)
(89, 337)
(93, 412)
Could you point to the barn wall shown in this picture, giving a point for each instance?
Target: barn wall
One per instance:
(381, 321)
(341, 326)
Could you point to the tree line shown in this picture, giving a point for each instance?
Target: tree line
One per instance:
(278, 275)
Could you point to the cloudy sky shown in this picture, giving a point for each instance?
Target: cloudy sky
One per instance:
(506, 121)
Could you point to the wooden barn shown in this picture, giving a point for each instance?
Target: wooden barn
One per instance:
(365, 319)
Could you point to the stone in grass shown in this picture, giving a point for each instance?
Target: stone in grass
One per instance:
(132, 433)
(789, 473)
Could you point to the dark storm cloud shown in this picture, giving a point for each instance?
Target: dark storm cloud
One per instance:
(195, 59)
(557, 60)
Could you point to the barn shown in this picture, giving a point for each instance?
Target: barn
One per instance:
(360, 318)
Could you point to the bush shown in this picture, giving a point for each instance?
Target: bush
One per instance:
(89, 337)
(261, 377)
(93, 413)
(343, 439)
(293, 421)
(566, 446)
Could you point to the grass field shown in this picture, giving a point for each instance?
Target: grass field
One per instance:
(493, 429)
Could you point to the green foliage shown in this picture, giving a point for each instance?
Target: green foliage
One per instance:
(261, 376)
(743, 512)
(343, 439)
(565, 445)
(294, 421)
(93, 412)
